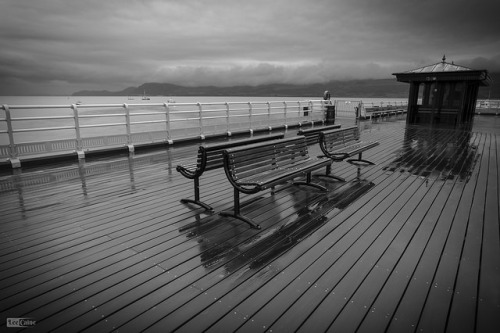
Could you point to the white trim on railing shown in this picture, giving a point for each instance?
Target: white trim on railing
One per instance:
(97, 126)
(101, 126)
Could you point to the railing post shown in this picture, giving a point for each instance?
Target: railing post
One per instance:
(310, 106)
(250, 117)
(285, 106)
(228, 129)
(79, 144)
(167, 125)
(300, 110)
(363, 110)
(202, 136)
(13, 153)
(130, 145)
(269, 116)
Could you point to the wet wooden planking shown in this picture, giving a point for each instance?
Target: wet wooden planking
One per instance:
(303, 307)
(236, 296)
(124, 253)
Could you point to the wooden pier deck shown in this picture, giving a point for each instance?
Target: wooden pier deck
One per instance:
(411, 244)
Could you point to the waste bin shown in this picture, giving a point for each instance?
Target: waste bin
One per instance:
(330, 114)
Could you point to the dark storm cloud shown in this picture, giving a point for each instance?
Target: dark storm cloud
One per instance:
(60, 46)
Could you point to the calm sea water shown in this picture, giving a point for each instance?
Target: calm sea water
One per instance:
(68, 100)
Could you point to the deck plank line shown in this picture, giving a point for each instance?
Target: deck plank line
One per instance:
(462, 314)
(117, 250)
(110, 207)
(435, 311)
(139, 320)
(299, 311)
(87, 183)
(489, 289)
(392, 220)
(97, 224)
(292, 296)
(403, 257)
(401, 313)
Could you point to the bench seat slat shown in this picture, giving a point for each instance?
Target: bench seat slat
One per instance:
(257, 159)
(312, 134)
(257, 167)
(210, 157)
(343, 143)
(271, 178)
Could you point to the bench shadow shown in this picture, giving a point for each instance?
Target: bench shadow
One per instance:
(232, 244)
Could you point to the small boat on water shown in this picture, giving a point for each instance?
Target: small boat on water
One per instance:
(145, 97)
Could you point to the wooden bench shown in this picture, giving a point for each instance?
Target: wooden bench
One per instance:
(343, 143)
(312, 134)
(211, 157)
(260, 166)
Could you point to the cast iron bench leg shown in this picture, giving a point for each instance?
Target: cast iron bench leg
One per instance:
(236, 213)
(359, 161)
(328, 174)
(308, 182)
(196, 200)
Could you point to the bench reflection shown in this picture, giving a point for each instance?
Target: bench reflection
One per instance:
(434, 153)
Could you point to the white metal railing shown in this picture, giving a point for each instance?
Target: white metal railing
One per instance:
(488, 104)
(27, 130)
(362, 110)
(38, 130)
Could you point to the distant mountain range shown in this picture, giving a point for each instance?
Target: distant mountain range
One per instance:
(373, 88)
(356, 88)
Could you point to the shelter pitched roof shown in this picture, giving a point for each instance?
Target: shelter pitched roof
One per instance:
(440, 67)
(449, 72)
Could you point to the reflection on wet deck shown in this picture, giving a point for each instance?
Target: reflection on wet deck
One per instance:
(434, 153)
(308, 215)
(409, 244)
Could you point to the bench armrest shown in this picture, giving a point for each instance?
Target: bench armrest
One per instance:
(188, 171)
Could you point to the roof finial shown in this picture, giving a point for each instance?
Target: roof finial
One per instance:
(444, 58)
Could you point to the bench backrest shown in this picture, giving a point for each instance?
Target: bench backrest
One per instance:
(312, 134)
(331, 140)
(247, 161)
(214, 157)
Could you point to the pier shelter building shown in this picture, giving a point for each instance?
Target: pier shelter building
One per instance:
(443, 93)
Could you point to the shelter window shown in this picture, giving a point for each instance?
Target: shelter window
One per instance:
(420, 98)
(452, 95)
(430, 94)
(456, 99)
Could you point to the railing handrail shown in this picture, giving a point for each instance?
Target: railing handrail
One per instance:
(207, 117)
(173, 120)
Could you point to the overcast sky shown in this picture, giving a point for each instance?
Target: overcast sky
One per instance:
(62, 46)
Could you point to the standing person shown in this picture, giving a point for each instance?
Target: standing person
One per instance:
(329, 108)
(327, 96)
